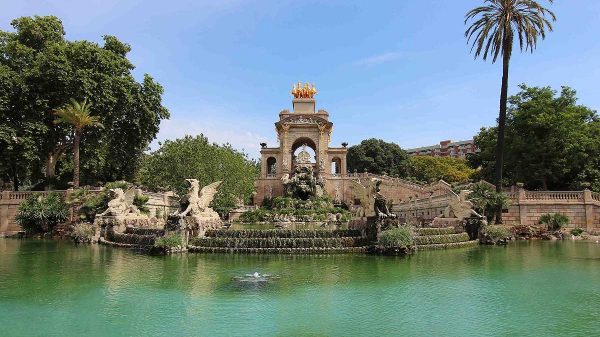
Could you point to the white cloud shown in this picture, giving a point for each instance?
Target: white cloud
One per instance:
(220, 131)
(378, 59)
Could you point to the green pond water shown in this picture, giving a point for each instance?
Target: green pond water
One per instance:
(52, 288)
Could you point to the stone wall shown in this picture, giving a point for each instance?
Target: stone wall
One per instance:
(526, 207)
(9, 202)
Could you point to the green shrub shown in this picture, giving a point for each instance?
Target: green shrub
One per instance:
(496, 233)
(397, 238)
(41, 213)
(83, 232)
(576, 231)
(554, 221)
(169, 241)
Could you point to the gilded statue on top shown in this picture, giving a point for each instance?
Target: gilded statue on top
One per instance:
(304, 91)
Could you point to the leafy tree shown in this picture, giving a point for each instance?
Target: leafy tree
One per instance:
(78, 115)
(41, 213)
(551, 142)
(377, 156)
(39, 72)
(429, 169)
(492, 33)
(485, 199)
(194, 157)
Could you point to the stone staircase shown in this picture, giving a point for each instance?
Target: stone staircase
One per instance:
(301, 241)
(442, 238)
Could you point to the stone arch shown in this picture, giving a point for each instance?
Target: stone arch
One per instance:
(271, 166)
(300, 141)
(336, 166)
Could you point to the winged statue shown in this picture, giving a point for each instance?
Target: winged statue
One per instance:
(365, 192)
(460, 207)
(122, 203)
(200, 199)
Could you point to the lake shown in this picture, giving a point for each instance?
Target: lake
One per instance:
(55, 288)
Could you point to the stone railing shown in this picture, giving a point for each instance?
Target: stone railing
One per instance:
(388, 178)
(554, 195)
(421, 203)
(9, 202)
(525, 207)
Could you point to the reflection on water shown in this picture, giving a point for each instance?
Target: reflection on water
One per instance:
(528, 288)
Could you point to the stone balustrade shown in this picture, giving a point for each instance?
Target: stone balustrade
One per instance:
(525, 207)
(554, 195)
(158, 203)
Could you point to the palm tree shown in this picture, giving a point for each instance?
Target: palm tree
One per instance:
(492, 34)
(77, 115)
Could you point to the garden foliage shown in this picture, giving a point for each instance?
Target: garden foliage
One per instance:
(397, 238)
(40, 214)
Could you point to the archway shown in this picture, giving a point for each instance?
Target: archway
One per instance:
(271, 166)
(304, 144)
(336, 166)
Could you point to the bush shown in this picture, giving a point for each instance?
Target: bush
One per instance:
(83, 233)
(554, 221)
(397, 238)
(496, 233)
(576, 231)
(169, 241)
(41, 213)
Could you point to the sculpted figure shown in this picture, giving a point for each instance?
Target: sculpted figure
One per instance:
(371, 200)
(459, 207)
(366, 194)
(121, 204)
(199, 200)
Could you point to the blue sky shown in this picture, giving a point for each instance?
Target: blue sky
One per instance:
(396, 70)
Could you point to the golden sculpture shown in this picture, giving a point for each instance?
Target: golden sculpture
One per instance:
(306, 91)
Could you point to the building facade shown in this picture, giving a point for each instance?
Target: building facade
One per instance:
(446, 148)
(303, 127)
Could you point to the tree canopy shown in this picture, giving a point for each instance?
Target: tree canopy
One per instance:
(429, 169)
(377, 156)
(551, 141)
(195, 157)
(40, 71)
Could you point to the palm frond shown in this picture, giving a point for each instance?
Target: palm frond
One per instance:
(78, 115)
(495, 25)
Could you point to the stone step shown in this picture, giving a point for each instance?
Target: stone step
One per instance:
(199, 249)
(282, 233)
(437, 231)
(437, 239)
(463, 244)
(292, 243)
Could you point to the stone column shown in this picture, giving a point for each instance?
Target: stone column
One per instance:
(521, 196)
(589, 209)
(4, 205)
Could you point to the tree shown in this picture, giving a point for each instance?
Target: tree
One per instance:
(492, 32)
(377, 156)
(429, 169)
(39, 71)
(551, 141)
(485, 199)
(77, 115)
(194, 157)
